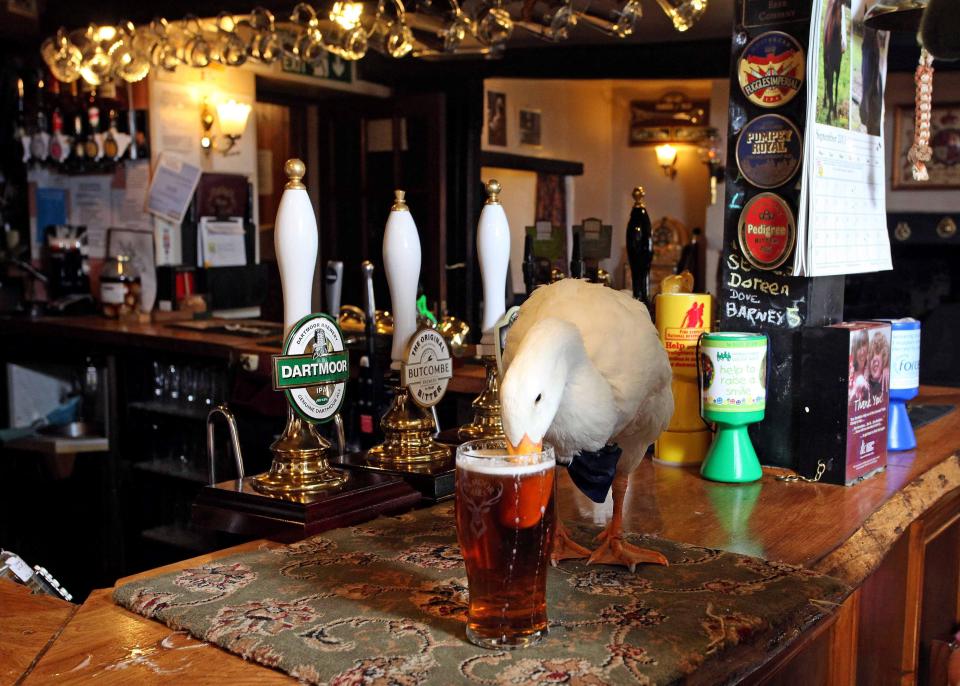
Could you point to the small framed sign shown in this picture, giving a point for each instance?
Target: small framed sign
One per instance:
(530, 128)
(497, 118)
(674, 118)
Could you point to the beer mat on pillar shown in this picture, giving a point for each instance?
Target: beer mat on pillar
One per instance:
(924, 414)
(385, 603)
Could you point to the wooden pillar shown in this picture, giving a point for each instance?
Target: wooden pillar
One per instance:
(754, 295)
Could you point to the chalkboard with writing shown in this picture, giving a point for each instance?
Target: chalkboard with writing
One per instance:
(757, 291)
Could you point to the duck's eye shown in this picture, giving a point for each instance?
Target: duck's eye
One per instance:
(538, 398)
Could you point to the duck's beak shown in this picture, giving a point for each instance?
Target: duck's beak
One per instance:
(525, 447)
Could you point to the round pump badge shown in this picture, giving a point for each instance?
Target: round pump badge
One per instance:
(427, 368)
(314, 368)
(771, 69)
(769, 150)
(767, 231)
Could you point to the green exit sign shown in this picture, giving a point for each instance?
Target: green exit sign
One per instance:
(333, 68)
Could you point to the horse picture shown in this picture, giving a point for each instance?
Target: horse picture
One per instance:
(833, 97)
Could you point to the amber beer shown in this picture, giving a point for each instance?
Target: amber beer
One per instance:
(506, 516)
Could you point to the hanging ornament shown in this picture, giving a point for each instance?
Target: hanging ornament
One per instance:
(921, 152)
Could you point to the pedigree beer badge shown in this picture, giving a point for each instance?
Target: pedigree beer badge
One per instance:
(427, 367)
(769, 149)
(314, 368)
(767, 231)
(771, 69)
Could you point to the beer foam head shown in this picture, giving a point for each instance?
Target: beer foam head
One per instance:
(490, 456)
(498, 463)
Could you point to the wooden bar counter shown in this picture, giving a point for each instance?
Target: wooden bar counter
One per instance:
(201, 338)
(895, 538)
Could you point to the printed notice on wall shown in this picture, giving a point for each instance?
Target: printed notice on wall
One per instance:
(171, 190)
(90, 207)
(129, 196)
(842, 226)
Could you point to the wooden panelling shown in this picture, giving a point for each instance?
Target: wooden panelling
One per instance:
(273, 149)
(883, 614)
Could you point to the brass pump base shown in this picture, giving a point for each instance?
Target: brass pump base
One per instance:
(486, 407)
(300, 465)
(408, 434)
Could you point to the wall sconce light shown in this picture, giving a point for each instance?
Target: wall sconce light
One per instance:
(233, 121)
(667, 159)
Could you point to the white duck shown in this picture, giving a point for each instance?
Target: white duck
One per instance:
(584, 367)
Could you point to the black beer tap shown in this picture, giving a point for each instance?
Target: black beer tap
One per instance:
(529, 265)
(577, 267)
(333, 276)
(371, 382)
(640, 247)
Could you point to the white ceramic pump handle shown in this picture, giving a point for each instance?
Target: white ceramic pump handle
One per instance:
(493, 251)
(401, 261)
(295, 241)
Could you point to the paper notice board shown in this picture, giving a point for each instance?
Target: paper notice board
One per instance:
(172, 187)
(842, 223)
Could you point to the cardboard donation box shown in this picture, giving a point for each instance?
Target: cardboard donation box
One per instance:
(844, 389)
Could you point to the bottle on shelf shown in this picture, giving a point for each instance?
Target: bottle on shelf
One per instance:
(20, 127)
(40, 135)
(111, 140)
(77, 162)
(92, 147)
(59, 143)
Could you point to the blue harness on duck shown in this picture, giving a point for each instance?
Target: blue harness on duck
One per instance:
(593, 471)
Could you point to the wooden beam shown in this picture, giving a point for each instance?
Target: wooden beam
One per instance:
(544, 165)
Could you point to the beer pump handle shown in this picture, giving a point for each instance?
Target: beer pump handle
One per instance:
(371, 381)
(369, 305)
(640, 247)
(295, 241)
(577, 267)
(529, 265)
(493, 252)
(401, 261)
(334, 279)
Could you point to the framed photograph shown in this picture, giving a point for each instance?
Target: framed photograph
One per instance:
(944, 166)
(530, 127)
(674, 118)
(497, 118)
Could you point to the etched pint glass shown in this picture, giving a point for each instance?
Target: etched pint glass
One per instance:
(506, 517)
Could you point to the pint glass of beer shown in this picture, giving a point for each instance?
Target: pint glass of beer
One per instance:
(506, 517)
